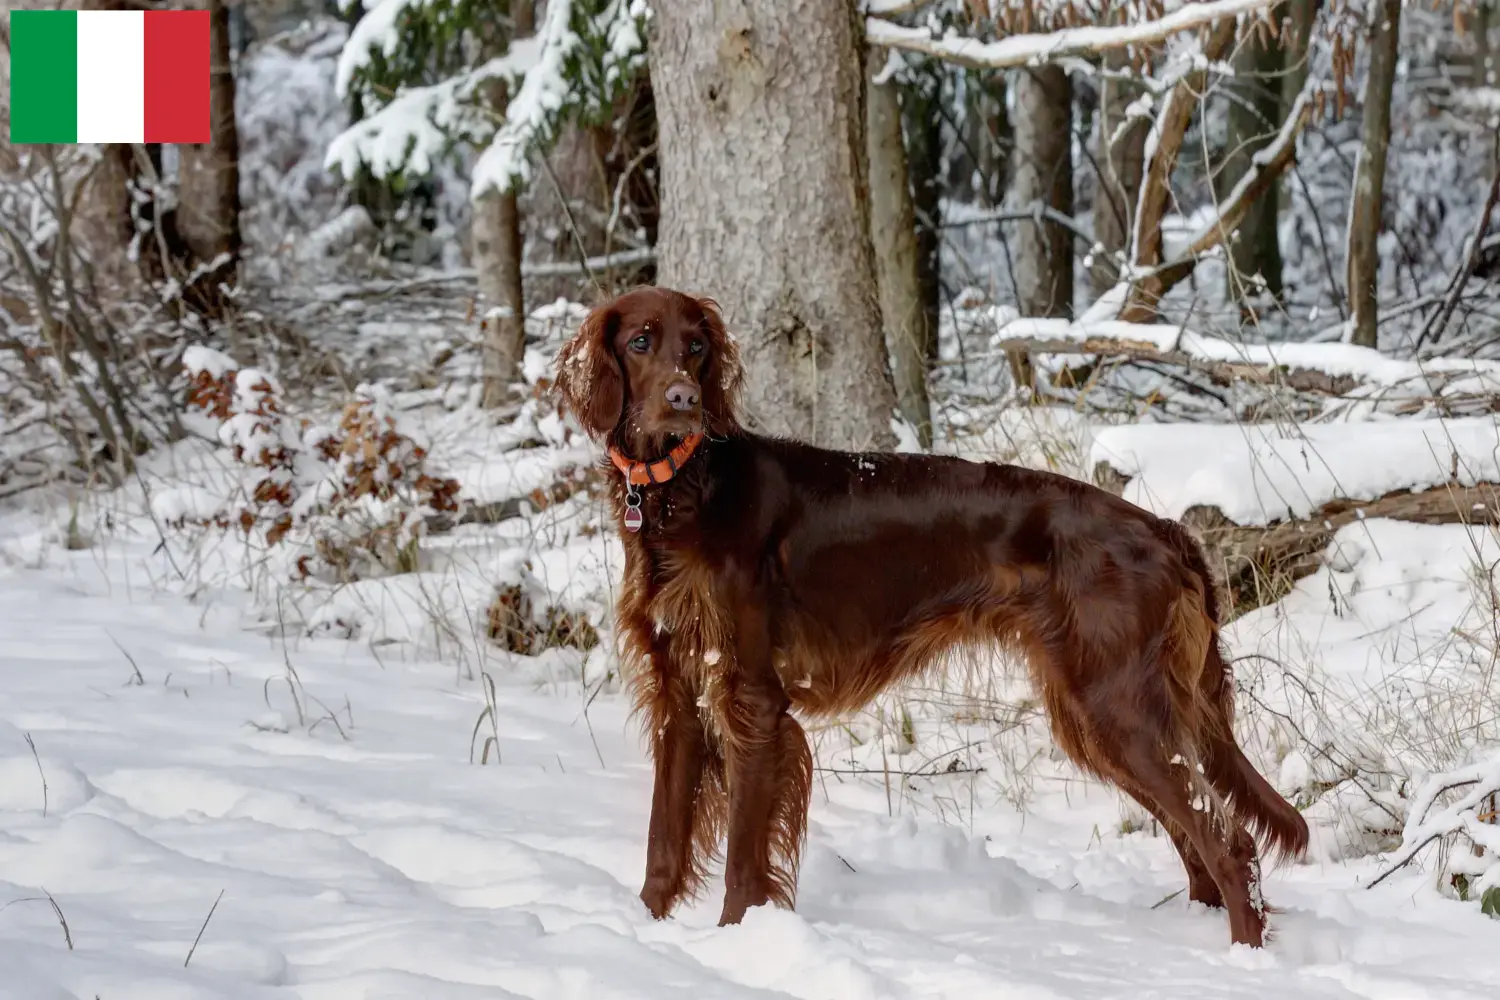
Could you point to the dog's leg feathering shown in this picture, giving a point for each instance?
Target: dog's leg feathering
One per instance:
(687, 801)
(769, 772)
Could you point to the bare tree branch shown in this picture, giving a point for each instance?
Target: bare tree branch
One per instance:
(1164, 145)
(1266, 169)
(1439, 319)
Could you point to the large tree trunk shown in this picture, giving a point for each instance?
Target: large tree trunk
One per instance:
(893, 231)
(498, 248)
(208, 174)
(1122, 155)
(1254, 272)
(765, 204)
(1043, 172)
(1382, 41)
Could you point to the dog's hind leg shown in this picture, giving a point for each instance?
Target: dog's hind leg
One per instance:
(1227, 852)
(1201, 885)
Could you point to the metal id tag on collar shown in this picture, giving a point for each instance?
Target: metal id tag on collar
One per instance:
(634, 519)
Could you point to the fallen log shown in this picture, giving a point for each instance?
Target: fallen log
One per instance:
(1219, 372)
(1259, 564)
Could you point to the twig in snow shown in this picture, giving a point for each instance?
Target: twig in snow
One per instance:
(1167, 899)
(617, 201)
(36, 757)
(1423, 827)
(938, 772)
(138, 680)
(1163, 147)
(46, 897)
(206, 919)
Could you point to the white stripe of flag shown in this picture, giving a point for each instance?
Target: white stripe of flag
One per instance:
(112, 76)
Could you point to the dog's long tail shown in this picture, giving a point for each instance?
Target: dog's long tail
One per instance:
(1200, 687)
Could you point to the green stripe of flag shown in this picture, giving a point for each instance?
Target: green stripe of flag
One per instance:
(43, 76)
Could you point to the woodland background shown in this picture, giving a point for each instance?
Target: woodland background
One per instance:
(1238, 260)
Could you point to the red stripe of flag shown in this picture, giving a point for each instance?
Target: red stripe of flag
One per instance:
(177, 76)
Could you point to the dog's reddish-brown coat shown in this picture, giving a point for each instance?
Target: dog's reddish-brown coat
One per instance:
(772, 576)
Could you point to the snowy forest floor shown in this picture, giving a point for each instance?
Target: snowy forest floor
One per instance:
(371, 858)
(218, 783)
(174, 784)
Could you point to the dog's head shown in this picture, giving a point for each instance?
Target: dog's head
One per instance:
(652, 365)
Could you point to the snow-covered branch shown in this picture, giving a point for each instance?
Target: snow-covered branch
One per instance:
(1043, 47)
(1472, 814)
(415, 127)
(541, 96)
(377, 30)
(583, 52)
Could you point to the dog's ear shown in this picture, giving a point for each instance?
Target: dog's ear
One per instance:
(589, 380)
(722, 377)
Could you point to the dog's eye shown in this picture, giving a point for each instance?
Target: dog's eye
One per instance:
(696, 347)
(641, 344)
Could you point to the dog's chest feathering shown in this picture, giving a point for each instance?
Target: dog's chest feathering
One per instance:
(677, 633)
(700, 637)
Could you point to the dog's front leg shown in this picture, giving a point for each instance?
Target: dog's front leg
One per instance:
(769, 770)
(687, 801)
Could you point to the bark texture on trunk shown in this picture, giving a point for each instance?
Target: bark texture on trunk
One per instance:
(1122, 157)
(893, 231)
(1043, 172)
(1299, 16)
(497, 251)
(765, 205)
(208, 174)
(1254, 119)
(1382, 41)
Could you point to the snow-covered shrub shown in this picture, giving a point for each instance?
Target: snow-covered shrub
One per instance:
(518, 625)
(355, 495)
(88, 349)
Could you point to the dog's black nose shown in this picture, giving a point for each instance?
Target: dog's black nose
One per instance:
(682, 395)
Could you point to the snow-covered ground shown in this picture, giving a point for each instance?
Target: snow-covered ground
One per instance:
(314, 814)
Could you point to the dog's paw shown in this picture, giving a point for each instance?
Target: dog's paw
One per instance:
(658, 897)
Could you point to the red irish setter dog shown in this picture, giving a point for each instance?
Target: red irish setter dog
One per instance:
(764, 576)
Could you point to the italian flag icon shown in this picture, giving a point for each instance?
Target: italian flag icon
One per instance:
(109, 76)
